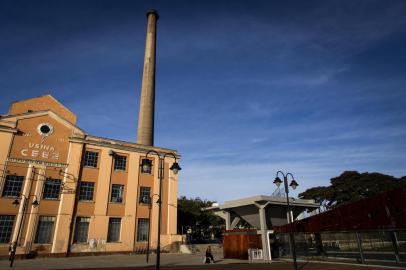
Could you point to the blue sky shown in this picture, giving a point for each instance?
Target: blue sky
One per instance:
(244, 88)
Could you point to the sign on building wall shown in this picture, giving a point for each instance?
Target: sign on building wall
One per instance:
(41, 139)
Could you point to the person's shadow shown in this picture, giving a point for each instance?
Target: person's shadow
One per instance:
(303, 265)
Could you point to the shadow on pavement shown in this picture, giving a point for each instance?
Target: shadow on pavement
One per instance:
(302, 265)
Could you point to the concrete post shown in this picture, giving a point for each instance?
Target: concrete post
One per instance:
(319, 244)
(264, 233)
(62, 233)
(234, 223)
(360, 249)
(395, 244)
(33, 210)
(21, 212)
(227, 217)
(147, 102)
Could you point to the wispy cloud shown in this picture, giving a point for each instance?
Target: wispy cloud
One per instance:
(243, 90)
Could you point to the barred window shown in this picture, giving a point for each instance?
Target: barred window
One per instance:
(52, 189)
(91, 159)
(117, 192)
(45, 229)
(145, 193)
(143, 230)
(6, 228)
(120, 163)
(81, 229)
(13, 185)
(146, 166)
(86, 190)
(113, 234)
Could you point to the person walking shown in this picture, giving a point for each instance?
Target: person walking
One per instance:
(209, 255)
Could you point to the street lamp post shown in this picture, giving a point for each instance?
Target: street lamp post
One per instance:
(146, 165)
(148, 200)
(293, 185)
(16, 202)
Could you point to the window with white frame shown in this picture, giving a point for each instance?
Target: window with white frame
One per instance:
(117, 193)
(142, 230)
(45, 230)
(52, 188)
(86, 191)
(146, 166)
(6, 228)
(120, 163)
(81, 229)
(145, 193)
(113, 234)
(13, 186)
(90, 159)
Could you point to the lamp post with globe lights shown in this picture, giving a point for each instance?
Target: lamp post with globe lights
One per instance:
(148, 200)
(16, 203)
(293, 184)
(146, 166)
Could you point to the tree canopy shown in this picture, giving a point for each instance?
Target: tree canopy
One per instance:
(352, 186)
(204, 225)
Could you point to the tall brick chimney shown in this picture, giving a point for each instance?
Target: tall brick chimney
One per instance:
(145, 134)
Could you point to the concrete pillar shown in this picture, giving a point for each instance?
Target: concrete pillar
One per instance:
(227, 217)
(224, 215)
(234, 223)
(33, 210)
(360, 249)
(61, 240)
(319, 244)
(264, 233)
(395, 245)
(22, 207)
(147, 102)
(130, 221)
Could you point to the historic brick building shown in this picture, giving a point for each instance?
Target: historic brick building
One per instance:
(64, 191)
(90, 190)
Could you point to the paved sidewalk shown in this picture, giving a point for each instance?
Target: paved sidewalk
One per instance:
(168, 262)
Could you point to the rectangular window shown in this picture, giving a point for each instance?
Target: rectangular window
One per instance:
(81, 229)
(143, 230)
(52, 188)
(13, 185)
(113, 234)
(91, 159)
(146, 166)
(6, 228)
(145, 193)
(86, 190)
(120, 163)
(117, 193)
(45, 230)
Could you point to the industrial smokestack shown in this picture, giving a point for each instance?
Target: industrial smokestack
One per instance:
(145, 134)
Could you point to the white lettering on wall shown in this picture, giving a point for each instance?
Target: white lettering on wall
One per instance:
(40, 150)
(24, 152)
(55, 155)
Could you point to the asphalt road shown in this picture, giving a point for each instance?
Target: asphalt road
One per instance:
(256, 266)
(168, 262)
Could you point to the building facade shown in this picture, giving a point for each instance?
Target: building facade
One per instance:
(64, 191)
(262, 213)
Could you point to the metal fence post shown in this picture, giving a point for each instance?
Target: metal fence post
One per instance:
(395, 243)
(319, 244)
(361, 252)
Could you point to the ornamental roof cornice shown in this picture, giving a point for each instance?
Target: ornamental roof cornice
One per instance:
(11, 120)
(122, 145)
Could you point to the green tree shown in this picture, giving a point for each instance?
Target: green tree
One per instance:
(203, 224)
(352, 186)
